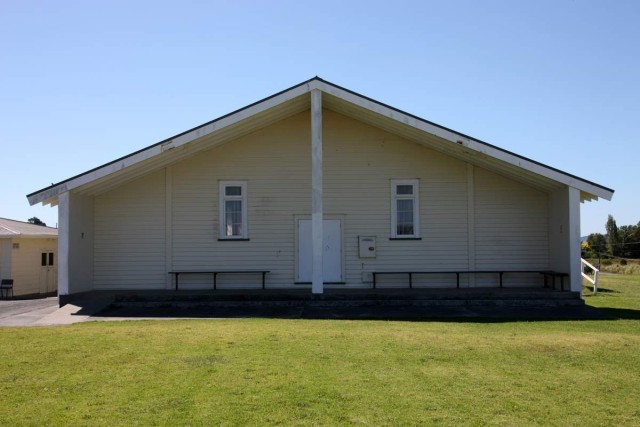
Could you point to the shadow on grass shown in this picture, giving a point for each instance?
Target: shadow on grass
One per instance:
(620, 313)
(601, 290)
(463, 314)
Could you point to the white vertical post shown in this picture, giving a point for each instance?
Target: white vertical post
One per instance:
(168, 225)
(471, 224)
(575, 270)
(63, 243)
(316, 192)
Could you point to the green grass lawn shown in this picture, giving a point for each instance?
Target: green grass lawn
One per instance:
(324, 372)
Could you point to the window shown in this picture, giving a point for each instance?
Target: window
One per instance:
(233, 210)
(405, 217)
(46, 259)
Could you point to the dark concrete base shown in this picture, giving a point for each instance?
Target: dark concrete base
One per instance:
(401, 304)
(410, 313)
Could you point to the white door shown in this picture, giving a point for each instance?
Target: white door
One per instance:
(48, 274)
(332, 256)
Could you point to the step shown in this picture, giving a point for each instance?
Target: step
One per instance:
(274, 303)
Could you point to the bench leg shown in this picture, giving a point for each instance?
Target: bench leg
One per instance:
(501, 273)
(410, 282)
(457, 280)
(263, 274)
(177, 274)
(374, 280)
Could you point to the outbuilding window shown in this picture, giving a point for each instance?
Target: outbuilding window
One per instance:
(46, 259)
(405, 216)
(233, 210)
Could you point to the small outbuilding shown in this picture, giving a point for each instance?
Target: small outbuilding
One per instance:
(28, 256)
(314, 187)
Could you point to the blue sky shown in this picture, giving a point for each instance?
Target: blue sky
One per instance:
(82, 83)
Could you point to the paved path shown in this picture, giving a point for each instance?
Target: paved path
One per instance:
(45, 312)
(26, 312)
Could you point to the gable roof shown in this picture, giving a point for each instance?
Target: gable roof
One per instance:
(295, 100)
(10, 228)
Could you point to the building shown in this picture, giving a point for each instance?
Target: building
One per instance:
(319, 186)
(28, 256)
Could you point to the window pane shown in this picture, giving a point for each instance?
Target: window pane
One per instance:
(233, 217)
(50, 258)
(233, 190)
(404, 217)
(43, 259)
(404, 190)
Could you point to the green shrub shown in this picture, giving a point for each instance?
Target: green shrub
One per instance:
(623, 261)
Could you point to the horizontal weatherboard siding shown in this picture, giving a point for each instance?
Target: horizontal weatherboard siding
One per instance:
(129, 246)
(133, 251)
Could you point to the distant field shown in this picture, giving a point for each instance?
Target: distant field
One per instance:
(617, 266)
(317, 372)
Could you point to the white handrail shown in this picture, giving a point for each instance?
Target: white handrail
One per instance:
(594, 281)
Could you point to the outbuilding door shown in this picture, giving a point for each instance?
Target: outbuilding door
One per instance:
(48, 273)
(332, 257)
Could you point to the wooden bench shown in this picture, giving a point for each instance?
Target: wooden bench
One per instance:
(6, 288)
(553, 275)
(215, 273)
(546, 273)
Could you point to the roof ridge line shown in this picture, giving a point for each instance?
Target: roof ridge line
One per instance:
(9, 230)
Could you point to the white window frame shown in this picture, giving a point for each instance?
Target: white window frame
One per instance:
(415, 183)
(222, 205)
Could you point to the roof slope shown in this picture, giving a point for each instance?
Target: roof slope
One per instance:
(295, 100)
(10, 228)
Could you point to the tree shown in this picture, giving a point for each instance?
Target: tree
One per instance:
(36, 221)
(613, 239)
(597, 242)
(636, 242)
(625, 238)
(633, 246)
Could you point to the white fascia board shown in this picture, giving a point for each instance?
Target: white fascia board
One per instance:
(36, 236)
(53, 192)
(463, 140)
(50, 195)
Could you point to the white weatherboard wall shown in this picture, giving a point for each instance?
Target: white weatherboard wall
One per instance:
(275, 162)
(81, 243)
(511, 228)
(129, 224)
(564, 241)
(509, 221)
(360, 162)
